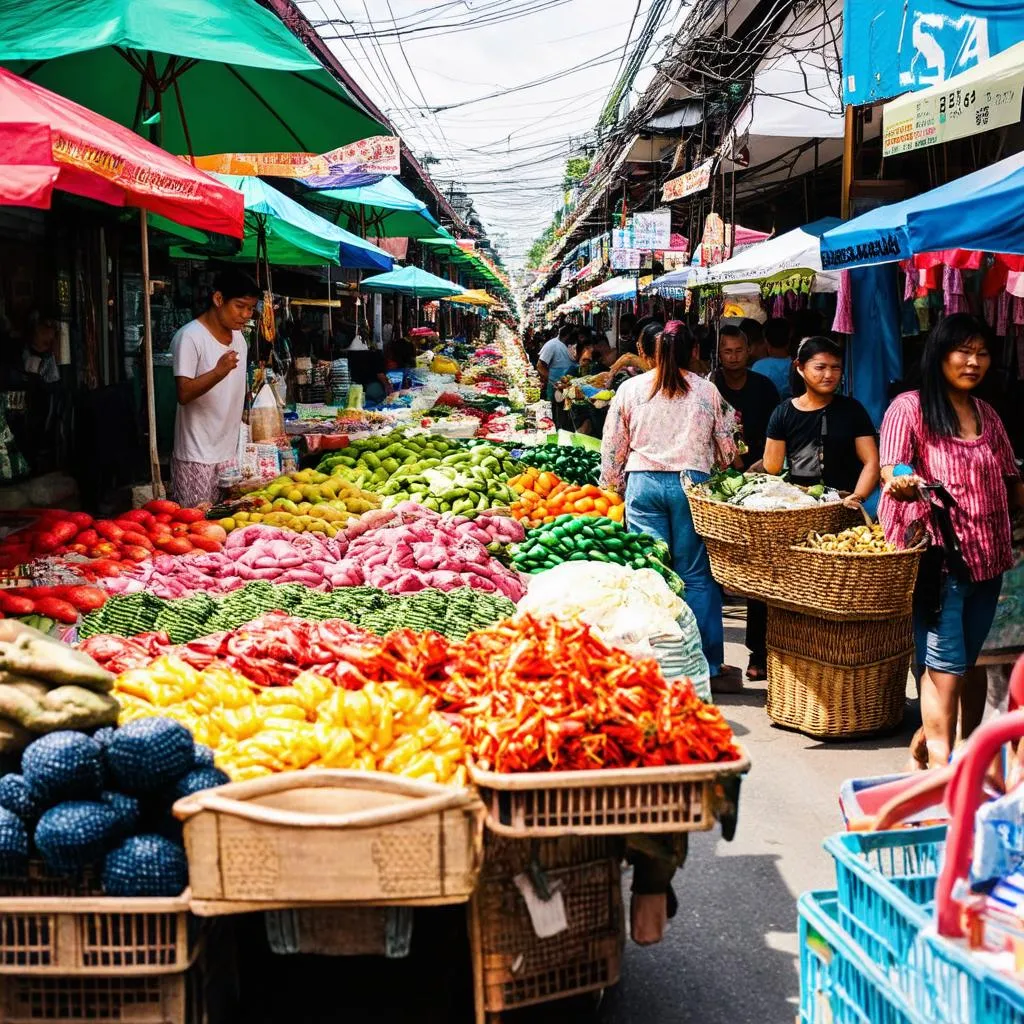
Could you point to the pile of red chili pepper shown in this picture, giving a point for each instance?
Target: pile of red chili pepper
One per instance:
(544, 695)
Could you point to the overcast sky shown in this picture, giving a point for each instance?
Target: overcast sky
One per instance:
(509, 151)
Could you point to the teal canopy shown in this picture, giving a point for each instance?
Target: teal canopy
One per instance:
(384, 210)
(293, 235)
(412, 281)
(223, 75)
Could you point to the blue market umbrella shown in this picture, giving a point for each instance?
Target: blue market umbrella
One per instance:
(983, 210)
(412, 281)
(384, 209)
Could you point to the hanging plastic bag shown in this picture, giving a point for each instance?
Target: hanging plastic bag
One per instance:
(266, 418)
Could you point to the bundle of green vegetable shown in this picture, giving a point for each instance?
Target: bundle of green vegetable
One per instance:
(379, 456)
(572, 464)
(764, 492)
(455, 613)
(592, 539)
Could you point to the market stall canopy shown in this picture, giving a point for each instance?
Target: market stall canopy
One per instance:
(291, 234)
(983, 210)
(980, 99)
(615, 289)
(412, 281)
(474, 297)
(48, 142)
(386, 209)
(774, 259)
(209, 75)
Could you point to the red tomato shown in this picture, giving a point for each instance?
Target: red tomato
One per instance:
(204, 543)
(88, 538)
(164, 517)
(189, 515)
(175, 545)
(213, 531)
(138, 540)
(137, 553)
(64, 531)
(161, 507)
(81, 519)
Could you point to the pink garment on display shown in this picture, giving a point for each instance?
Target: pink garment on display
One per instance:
(843, 322)
(1002, 314)
(1015, 283)
(1018, 311)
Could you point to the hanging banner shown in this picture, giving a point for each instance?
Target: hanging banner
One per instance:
(891, 48)
(622, 238)
(977, 101)
(687, 184)
(378, 155)
(652, 231)
(625, 259)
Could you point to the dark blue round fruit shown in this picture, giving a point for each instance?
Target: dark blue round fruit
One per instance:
(145, 866)
(148, 754)
(63, 766)
(75, 835)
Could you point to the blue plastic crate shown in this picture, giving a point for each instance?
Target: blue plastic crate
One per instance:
(839, 982)
(886, 885)
(962, 989)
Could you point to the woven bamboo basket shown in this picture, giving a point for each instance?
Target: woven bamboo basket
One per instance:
(748, 548)
(835, 702)
(847, 585)
(607, 801)
(311, 837)
(847, 643)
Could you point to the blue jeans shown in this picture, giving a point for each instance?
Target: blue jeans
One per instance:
(953, 642)
(656, 504)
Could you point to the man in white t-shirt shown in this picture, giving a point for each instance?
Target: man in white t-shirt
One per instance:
(209, 371)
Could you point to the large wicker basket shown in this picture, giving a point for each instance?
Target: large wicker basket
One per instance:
(303, 838)
(846, 643)
(846, 584)
(749, 548)
(834, 702)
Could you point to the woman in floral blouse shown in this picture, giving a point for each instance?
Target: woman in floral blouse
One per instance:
(665, 428)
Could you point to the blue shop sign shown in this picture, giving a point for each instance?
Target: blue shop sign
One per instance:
(892, 48)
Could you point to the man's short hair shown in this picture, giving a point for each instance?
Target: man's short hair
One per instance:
(751, 328)
(776, 333)
(566, 331)
(731, 331)
(235, 284)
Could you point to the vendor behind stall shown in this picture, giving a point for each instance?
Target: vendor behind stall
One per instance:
(826, 438)
(555, 361)
(209, 372)
(368, 368)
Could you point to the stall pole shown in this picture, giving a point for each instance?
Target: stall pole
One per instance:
(851, 114)
(147, 356)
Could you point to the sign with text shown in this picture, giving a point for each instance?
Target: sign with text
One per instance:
(687, 184)
(625, 259)
(909, 123)
(891, 48)
(652, 230)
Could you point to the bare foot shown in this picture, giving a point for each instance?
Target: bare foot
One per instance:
(918, 752)
(648, 915)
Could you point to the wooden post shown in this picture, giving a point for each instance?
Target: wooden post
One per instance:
(147, 358)
(851, 117)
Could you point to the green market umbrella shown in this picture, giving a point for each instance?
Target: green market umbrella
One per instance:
(412, 281)
(283, 232)
(386, 209)
(210, 76)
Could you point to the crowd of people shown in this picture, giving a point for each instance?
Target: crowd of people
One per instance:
(773, 404)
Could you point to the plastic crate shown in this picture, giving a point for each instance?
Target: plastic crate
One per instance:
(962, 989)
(520, 969)
(839, 983)
(886, 882)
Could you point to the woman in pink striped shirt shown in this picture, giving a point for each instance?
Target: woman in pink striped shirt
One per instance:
(946, 435)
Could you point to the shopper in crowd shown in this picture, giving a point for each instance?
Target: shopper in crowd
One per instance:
(596, 357)
(39, 358)
(824, 437)
(554, 361)
(944, 434)
(664, 428)
(754, 398)
(777, 364)
(637, 358)
(209, 356)
(754, 333)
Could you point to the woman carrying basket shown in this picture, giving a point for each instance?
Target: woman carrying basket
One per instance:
(945, 435)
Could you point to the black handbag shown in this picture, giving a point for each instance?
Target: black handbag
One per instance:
(939, 559)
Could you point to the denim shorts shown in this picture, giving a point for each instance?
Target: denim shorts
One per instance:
(953, 643)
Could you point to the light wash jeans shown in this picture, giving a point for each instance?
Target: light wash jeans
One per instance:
(656, 504)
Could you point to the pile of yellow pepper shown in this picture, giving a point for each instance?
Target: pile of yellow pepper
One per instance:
(312, 723)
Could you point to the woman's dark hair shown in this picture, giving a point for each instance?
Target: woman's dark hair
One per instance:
(950, 333)
(672, 353)
(645, 340)
(817, 346)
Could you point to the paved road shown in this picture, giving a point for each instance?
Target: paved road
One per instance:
(730, 956)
